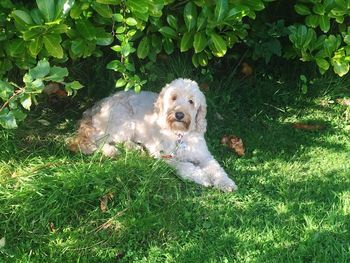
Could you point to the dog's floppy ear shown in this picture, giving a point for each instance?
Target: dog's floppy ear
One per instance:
(201, 122)
(158, 105)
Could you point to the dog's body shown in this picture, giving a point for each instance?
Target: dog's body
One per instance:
(170, 125)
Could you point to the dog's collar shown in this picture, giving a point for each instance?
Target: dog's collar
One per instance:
(179, 144)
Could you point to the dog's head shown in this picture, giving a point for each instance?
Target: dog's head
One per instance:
(181, 107)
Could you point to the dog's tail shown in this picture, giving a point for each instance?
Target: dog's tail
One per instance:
(83, 141)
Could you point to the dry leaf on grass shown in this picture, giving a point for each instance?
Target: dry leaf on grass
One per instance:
(52, 227)
(308, 127)
(53, 89)
(247, 70)
(344, 102)
(104, 201)
(235, 143)
(204, 86)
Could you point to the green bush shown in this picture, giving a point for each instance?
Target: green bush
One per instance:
(39, 40)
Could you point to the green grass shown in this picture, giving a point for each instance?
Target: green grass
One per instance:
(293, 203)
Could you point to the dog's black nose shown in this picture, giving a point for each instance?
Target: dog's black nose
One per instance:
(179, 115)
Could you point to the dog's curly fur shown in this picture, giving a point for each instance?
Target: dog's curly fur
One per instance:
(151, 120)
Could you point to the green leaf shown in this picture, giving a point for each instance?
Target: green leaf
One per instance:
(47, 9)
(109, 2)
(168, 46)
(155, 8)
(324, 23)
(137, 88)
(172, 21)
(219, 44)
(19, 114)
(15, 48)
(33, 33)
(120, 83)
(221, 9)
(59, 29)
(125, 49)
(7, 119)
(200, 42)
(26, 101)
(322, 63)
(302, 9)
(238, 11)
(340, 67)
(330, 45)
(312, 21)
(141, 16)
(201, 20)
(40, 70)
(118, 17)
(190, 15)
(156, 43)
(102, 9)
(77, 47)
(255, 5)
(86, 29)
(35, 46)
(138, 6)
(76, 10)
(63, 7)
(116, 65)
(22, 17)
(6, 90)
(195, 60)
(130, 21)
(168, 32)
(202, 59)
(186, 41)
(75, 85)
(57, 74)
(52, 45)
(37, 16)
(103, 38)
(347, 39)
(72, 87)
(319, 9)
(143, 48)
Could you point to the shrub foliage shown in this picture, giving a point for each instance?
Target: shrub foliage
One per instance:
(39, 39)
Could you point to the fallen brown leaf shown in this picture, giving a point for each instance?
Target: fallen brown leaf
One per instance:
(344, 102)
(53, 89)
(247, 70)
(204, 86)
(308, 127)
(52, 227)
(104, 201)
(235, 143)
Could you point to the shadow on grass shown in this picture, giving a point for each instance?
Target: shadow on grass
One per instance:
(55, 213)
(282, 212)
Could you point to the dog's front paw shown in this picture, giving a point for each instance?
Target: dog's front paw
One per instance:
(109, 150)
(226, 185)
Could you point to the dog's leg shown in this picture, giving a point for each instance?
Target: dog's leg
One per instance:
(189, 171)
(130, 145)
(217, 175)
(109, 150)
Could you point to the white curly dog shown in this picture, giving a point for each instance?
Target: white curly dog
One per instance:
(170, 125)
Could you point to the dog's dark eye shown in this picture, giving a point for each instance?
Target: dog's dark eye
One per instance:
(190, 101)
(174, 97)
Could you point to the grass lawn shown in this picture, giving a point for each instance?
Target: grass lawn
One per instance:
(293, 202)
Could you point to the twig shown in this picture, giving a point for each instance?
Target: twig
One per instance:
(17, 92)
